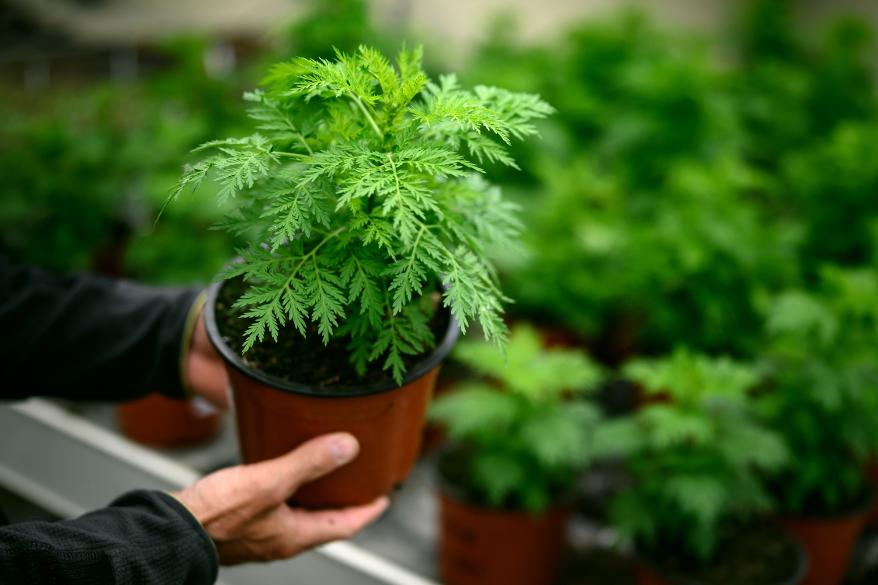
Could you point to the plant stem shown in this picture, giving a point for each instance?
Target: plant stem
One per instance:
(395, 175)
(305, 144)
(291, 126)
(366, 113)
(305, 258)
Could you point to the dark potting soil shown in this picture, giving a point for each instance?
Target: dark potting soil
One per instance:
(305, 360)
(746, 555)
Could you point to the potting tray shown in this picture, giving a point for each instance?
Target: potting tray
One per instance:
(68, 459)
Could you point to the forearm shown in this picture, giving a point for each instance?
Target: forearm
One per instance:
(143, 538)
(88, 338)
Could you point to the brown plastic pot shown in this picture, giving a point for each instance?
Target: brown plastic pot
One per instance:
(829, 542)
(872, 520)
(485, 546)
(646, 576)
(163, 422)
(274, 416)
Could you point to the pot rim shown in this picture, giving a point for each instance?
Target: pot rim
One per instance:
(231, 357)
(803, 564)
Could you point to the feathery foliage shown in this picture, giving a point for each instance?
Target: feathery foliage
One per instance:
(361, 194)
(696, 453)
(522, 437)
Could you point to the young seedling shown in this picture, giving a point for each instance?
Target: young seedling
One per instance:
(522, 435)
(695, 455)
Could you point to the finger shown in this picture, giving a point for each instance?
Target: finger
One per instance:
(282, 476)
(316, 528)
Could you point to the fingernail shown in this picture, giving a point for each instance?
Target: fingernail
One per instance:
(344, 447)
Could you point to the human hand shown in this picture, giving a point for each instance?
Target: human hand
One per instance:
(244, 509)
(205, 372)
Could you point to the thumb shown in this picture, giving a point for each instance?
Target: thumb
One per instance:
(309, 461)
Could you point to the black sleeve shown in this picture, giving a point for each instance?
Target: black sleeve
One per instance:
(143, 538)
(88, 338)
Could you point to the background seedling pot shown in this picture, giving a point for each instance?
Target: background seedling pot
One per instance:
(163, 422)
(873, 475)
(487, 546)
(829, 542)
(275, 416)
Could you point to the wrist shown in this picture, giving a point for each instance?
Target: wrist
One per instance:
(193, 516)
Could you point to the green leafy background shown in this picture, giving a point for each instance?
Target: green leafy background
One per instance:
(705, 208)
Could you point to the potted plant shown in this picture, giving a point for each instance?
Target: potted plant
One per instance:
(824, 401)
(519, 441)
(693, 509)
(158, 421)
(369, 227)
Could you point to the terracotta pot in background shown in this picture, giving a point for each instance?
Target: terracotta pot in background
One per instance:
(559, 336)
(274, 416)
(163, 422)
(872, 521)
(829, 543)
(483, 546)
(645, 576)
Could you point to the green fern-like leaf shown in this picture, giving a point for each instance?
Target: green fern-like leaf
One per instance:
(358, 192)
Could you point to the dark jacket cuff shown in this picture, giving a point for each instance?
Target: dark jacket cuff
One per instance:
(193, 548)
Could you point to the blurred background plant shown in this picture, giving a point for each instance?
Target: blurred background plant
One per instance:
(822, 352)
(87, 169)
(696, 454)
(67, 178)
(520, 436)
(674, 190)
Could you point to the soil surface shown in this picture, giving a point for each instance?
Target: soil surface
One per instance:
(752, 555)
(305, 360)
